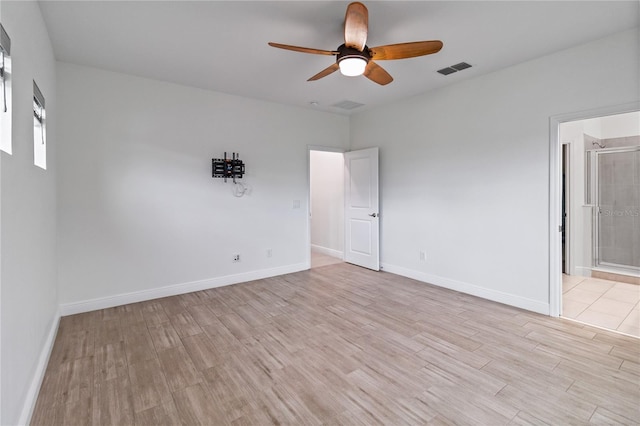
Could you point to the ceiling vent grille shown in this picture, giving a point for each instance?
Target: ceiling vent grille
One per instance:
(454, 68)
(347, 105)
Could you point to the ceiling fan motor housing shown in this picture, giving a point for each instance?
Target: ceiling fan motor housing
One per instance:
(350, 52)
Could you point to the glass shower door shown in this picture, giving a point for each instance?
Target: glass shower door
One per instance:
(617, 227)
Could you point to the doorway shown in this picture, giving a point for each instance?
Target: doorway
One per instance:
(599, 219)
(326, 206)
(344, 205)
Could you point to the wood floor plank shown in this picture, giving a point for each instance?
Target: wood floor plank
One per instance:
(184, 324)
(164, 336)
(148, 387)
(234, 392)
(548, 404)
(525, 419)
(221, 337)
(67, 383)
(194, 407)
(631, 367)
(195, 298)
(472, 358)
(160, 415)
(72, 345)
(172, 305)
(320, 401)
(237, 326)
(203, 315)
(178, 368)
(521, 375)
(626, 405)
(217, 305)
(79, 322)
(154, 313)
(337, 345)
(203, 352)
(449, 403)
(138, 344)
(602, 416)
(110, 362)
(74, 413)
(113, 402)
(108, 332)
(251, 315)
(130, 314)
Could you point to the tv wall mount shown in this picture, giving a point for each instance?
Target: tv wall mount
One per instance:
(232, 168)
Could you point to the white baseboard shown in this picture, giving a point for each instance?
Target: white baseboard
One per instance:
(496, 296)
(175, 289)
(38, 376)
(329, 252)
(583, 271)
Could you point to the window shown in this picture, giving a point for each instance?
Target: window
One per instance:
(5, 91)
(39, 128)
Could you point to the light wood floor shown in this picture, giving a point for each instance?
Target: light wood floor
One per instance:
(320, 259)
(335, 345)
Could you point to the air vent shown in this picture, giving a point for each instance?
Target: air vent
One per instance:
(447, 71)
(347, 105)
(454, 68)
(461, 66)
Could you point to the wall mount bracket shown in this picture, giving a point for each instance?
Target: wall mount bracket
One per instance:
(227, 167)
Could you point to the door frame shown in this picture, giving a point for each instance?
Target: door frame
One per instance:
(555, 194)
(308, 233)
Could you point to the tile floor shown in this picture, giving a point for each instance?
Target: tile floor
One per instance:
(608, 304)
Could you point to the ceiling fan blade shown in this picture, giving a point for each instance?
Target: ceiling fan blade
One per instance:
(376, 73)
(303, 49)
(405, 50)
(325, 72)
(356, 23)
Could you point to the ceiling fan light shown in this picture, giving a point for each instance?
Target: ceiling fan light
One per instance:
(352, 66)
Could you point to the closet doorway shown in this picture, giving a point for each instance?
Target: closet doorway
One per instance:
(326, 206)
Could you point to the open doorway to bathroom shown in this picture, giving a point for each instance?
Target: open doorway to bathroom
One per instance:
(326, 209)
(601, 221)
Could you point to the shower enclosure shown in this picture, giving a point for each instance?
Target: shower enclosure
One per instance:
(613, 189)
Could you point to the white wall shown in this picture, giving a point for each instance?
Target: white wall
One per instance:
(327, 202)
(613, 126)
(138, 208)
(28, 240)
(464, 169)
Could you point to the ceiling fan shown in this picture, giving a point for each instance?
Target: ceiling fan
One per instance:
(355, 58)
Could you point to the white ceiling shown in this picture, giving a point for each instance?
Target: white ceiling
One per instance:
(222, 45)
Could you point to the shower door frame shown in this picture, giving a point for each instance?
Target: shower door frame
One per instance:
(594, 188)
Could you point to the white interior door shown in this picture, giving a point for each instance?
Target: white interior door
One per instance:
(362, 227)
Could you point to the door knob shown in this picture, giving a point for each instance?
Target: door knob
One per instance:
(374, 215)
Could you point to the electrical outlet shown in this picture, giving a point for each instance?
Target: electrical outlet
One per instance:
(269, 252)
(423, 256)
(236, 258)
